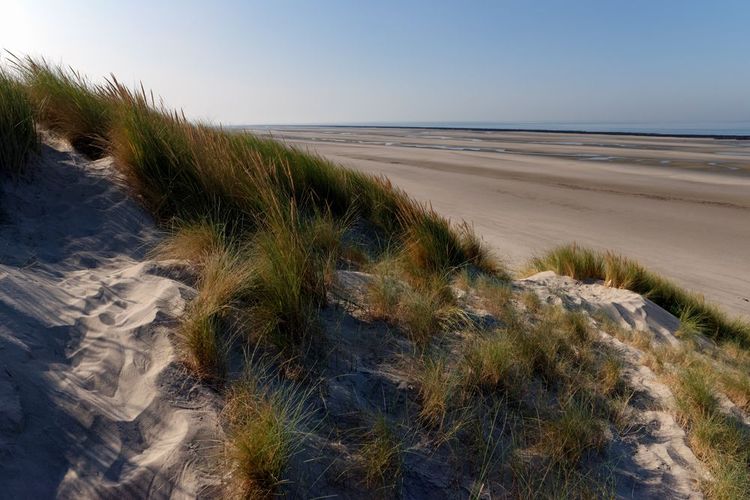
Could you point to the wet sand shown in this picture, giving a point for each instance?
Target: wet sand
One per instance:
(678, 205)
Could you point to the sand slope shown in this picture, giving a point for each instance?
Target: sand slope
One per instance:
(92, 402)
(652, 457)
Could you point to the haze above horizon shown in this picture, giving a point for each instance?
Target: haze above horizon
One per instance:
(423, 62)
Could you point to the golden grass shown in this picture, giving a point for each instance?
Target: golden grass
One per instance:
(736, 385)
(67, 103)
(380, 455)
(18, 136)
(497, 362)
(436, 390)
(203, 332)
(264, 425)
(572, 433)
(194, 242)
(696, 314)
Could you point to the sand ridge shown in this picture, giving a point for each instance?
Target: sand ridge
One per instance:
(92, 400)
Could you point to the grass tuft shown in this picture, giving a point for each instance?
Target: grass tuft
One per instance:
(193, 241)
(574, 432)
(436, 390)
(380, 455)
(69, 104)
(263, 433)
(617, 271)
(223, 280)
(18, 137)
(426, 311)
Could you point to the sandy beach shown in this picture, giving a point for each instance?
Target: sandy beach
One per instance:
(678, 205)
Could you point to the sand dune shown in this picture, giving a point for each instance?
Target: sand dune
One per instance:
(92, 402)
(679, 206)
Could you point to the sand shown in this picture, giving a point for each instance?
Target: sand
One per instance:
(93, 403)
(652, 457)
(680, 206)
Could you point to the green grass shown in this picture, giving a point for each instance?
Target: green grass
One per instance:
(18, 136)
(380, 455)
(264, 426)
(385, 291)
(497, 361)
(695, 393)
(736, 385)
(264, 227)
(293, 262)
(576, 430)
(426, 311)
(437, 388)
(288, 209)
(67, 103)
(717, 438)
(617, 271)
(223, 280)
(192, 241)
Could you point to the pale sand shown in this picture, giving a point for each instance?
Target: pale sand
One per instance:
(94, 404)
(92, 401)
(652, 458)
(679, 206)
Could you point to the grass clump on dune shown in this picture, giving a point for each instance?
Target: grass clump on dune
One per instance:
(223, 280)
(18, 136)
(69, 104)
(576, 430)
(263, 426)
(617, 271)
(437, 388)
(193, 242)
(293, 262)
(380, 455)
(717, 438)
(421, 309)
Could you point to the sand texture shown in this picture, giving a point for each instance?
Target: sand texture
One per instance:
(92, 401)
(651, 458)
(679, 206)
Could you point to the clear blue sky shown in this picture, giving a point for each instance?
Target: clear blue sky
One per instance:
(279, 61)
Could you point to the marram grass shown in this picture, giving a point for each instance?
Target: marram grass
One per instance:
(617, 271)
(18, 136)
(66, 102)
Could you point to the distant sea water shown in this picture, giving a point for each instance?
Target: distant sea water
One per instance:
(741, 128)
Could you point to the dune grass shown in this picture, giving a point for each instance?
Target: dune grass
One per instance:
(557, 386)
(224, 276)
(293, 263)
(286, 208)
(576, 430)
(18, 136)
(617, 271)
(67, 103)
(264, 423)
(717, 438)
(437, 388)
(263, 225)
(697, 376)
(420, 306)
(380, 455)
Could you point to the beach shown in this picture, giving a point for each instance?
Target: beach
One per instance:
(680, 206)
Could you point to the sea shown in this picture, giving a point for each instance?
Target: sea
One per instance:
(731, 129)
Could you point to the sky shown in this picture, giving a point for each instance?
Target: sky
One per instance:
(294, 62)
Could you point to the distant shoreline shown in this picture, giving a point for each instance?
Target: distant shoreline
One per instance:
(743, 137)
